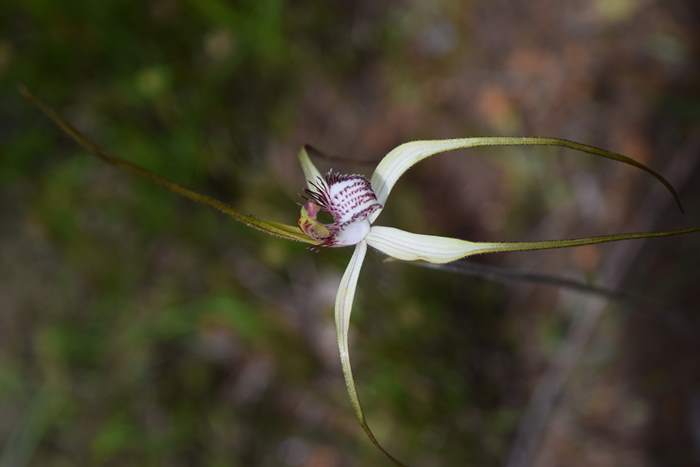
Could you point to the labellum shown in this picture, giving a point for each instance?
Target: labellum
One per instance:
(349, 199)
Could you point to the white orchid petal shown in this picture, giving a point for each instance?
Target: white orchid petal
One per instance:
(311, 173)
(408, 246)
(343, 308)
(403, 157)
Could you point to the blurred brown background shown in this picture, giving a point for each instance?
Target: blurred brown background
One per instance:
(137, 328)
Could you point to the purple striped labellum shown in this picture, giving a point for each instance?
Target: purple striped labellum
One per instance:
(349, 199)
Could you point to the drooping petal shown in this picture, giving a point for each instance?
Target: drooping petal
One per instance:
(343, 308)
(288, 232)
(311, 173)
(409, 246)
(403, 157)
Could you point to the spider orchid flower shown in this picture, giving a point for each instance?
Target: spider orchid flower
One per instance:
(355, 203)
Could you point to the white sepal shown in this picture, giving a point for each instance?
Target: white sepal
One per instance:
(408, 246)
(311, 173)
(403, 157)
(343, 309)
